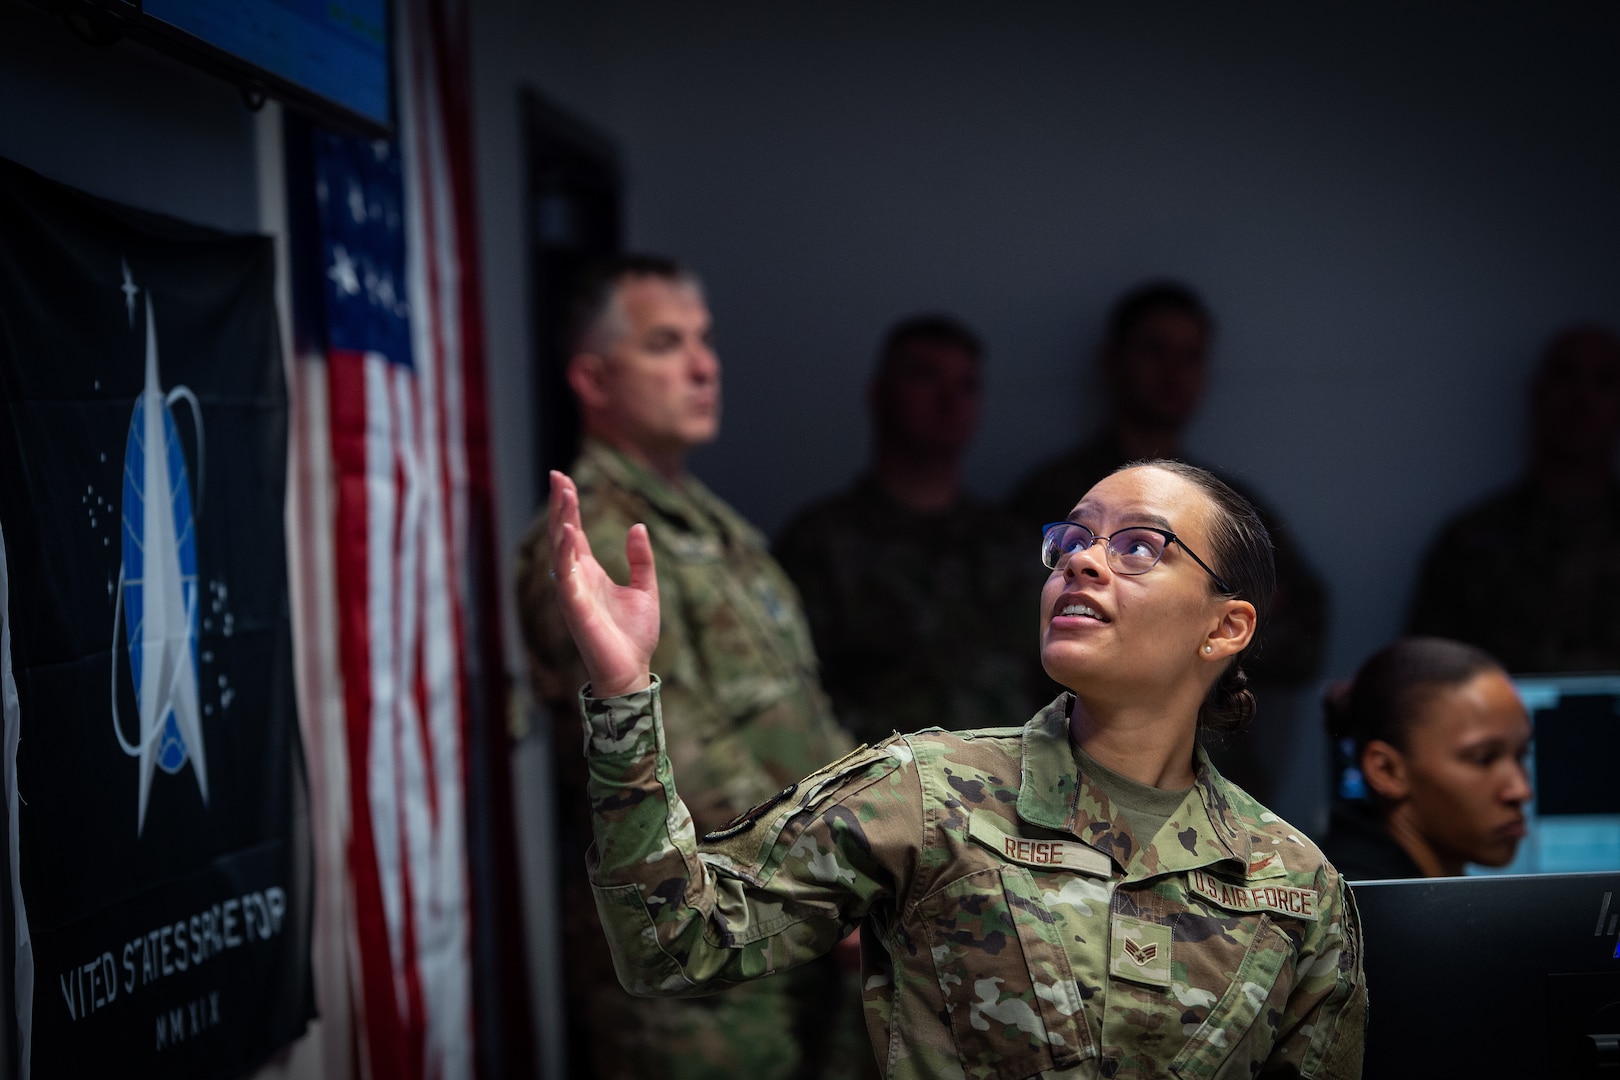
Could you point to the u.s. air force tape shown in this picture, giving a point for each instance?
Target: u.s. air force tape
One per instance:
(986, 828)
(1283, 899)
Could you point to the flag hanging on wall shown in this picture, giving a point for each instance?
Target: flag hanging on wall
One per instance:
(157, 911)
(399, 643)
(397, 612)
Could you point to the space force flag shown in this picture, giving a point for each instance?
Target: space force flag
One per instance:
(155, 919)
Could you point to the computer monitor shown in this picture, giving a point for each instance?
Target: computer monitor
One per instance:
(1573, 821)
(1492, 976)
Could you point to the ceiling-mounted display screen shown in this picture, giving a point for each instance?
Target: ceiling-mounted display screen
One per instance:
(335, 50)
(330, 58)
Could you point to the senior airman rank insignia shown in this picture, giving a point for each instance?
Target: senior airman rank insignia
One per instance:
(1140, 952)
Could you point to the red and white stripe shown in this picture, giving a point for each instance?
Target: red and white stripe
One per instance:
(393, 615)
(400, 499)
(398, 604)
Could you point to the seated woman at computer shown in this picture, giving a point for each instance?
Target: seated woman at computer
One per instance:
(1440, 738)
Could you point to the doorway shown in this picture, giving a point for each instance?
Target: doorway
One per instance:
(575, 207)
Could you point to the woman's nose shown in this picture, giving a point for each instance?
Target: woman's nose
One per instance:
(1094, 556)
(1518, 789)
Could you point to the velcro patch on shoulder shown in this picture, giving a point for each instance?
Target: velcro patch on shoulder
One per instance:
(808, 790)
(1283, 899)
(987, 829)
(748, 818)
(832, 774)
(1266, 865)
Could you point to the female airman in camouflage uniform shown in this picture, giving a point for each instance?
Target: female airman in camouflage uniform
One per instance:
(1083, 896)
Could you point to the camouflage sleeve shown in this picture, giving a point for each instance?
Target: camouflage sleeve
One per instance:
(1324, 1023)
(777, 887)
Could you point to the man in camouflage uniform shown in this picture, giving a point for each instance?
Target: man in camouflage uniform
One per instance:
(919, 594)
(1569, 500)
(1023, 913)
(745, 714)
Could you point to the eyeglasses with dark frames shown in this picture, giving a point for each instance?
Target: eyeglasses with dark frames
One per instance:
(1131, 551)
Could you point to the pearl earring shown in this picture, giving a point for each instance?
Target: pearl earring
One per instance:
(1209, 648)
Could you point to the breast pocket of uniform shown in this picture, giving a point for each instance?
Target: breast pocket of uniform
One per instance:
(1241, 1028)
(732, 639)
(1014, 1006)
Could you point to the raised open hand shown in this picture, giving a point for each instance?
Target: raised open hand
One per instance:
(615, 627)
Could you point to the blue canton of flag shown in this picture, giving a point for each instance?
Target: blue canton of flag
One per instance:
(361, 197)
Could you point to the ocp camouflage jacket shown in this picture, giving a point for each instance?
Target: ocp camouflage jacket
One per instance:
(1011, 926)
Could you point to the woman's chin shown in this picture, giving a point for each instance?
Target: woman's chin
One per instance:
(1496, 855)
(1066, 660)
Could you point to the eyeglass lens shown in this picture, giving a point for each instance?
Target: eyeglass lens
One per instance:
(1130, 551)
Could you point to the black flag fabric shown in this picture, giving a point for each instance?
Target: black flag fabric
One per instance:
(157, 914)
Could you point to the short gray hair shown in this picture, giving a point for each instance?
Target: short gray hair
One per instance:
(597, 314)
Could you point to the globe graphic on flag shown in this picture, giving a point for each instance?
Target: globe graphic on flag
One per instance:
(171, 750)
(157, 591)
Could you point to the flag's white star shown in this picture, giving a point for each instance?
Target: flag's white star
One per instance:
(343, 272)
(385, 292)
(129, 289)
(357, 201)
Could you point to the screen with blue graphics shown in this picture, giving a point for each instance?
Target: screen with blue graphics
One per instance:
(335, 50)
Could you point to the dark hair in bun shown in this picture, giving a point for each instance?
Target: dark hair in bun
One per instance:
(1386, 698)
(1241, 553)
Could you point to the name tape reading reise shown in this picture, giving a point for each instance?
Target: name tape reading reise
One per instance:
(1046, 854)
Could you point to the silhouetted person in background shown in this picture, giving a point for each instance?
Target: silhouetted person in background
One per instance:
(918, 594)
(1560, 525)
(1154, 365)
(1440, 738)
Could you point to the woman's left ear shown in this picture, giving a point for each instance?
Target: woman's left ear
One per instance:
(1232, 634)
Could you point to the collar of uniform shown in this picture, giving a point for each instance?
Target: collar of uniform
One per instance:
(618, 468)
(1050, 779)
(692, 504)
(1053, 795)
(1209, 830)
(1213, 788)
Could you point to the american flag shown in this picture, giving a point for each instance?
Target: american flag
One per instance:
(397, 604)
